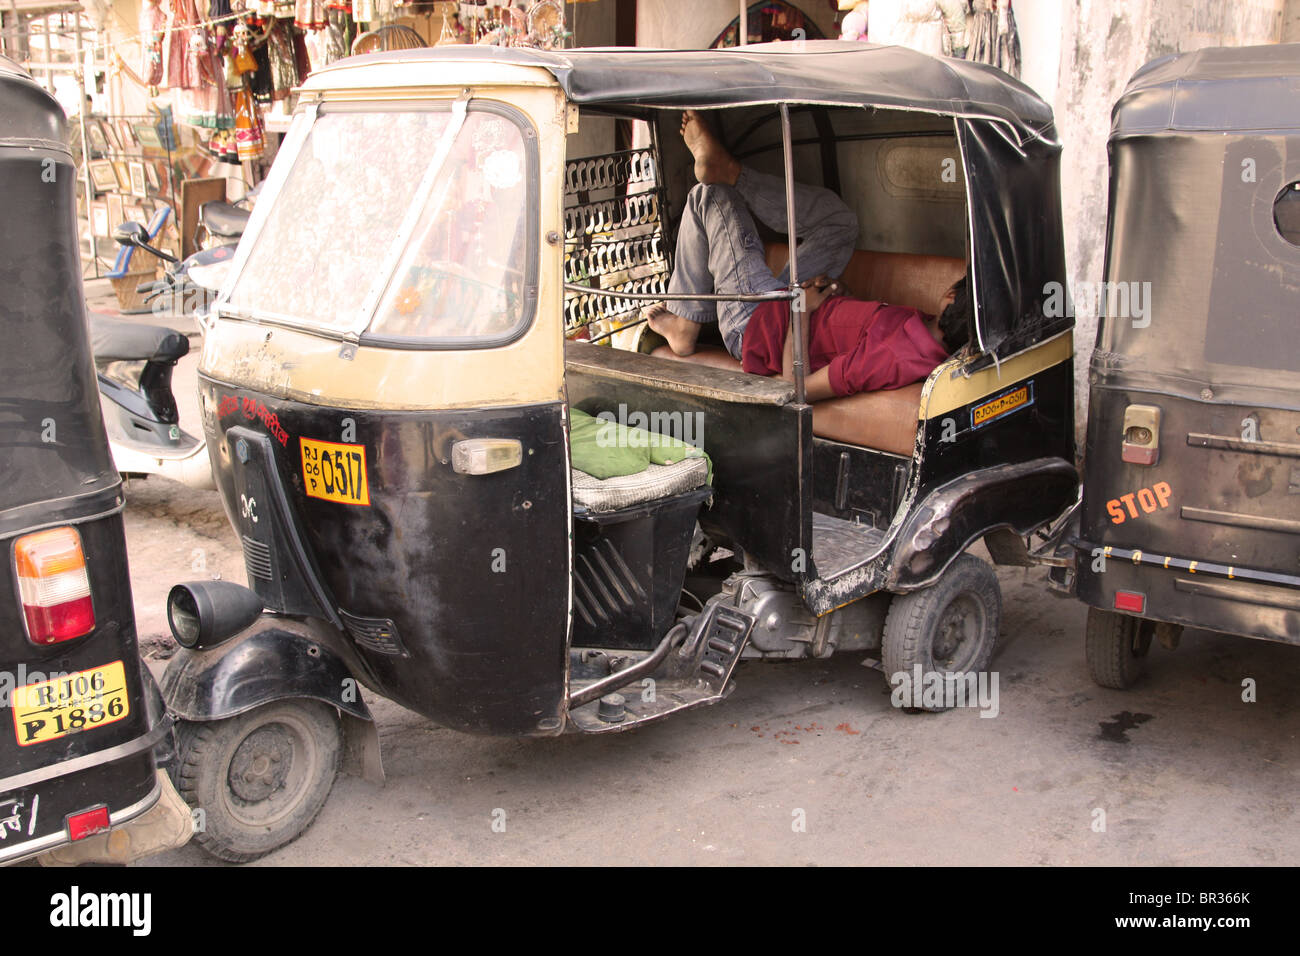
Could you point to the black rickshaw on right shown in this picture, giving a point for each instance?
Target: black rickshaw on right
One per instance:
(1191, 507)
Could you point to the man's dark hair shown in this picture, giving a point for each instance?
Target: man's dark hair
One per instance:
(956, 320)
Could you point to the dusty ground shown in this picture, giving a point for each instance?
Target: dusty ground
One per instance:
(1184, 771)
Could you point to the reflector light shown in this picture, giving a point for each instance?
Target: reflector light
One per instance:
(54, 586)
(87, 823)
(1130, 601)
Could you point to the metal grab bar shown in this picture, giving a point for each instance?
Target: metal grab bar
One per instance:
(786, 296)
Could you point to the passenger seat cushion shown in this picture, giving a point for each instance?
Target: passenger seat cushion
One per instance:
(886, 421)
(600, 495)
(882, 420)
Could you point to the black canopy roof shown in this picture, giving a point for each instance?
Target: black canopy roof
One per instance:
(29, 115)
(1215, 89)
(827, 72)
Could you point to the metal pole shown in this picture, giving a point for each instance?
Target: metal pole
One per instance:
(798, 319)
(743, 39)
(85, 155)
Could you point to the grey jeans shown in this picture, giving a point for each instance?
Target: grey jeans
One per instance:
(719, 250)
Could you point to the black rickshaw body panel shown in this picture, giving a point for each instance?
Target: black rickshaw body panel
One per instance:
(1204, 149)
(56, 470)
(451, 588)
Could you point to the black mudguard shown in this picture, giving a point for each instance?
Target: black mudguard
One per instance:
(275, 659)
(1022, 497)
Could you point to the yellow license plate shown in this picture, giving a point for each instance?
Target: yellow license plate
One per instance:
(70, 704)
(985, 413)
(335, 472)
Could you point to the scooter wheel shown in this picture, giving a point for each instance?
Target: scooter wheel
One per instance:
(1116, 645)
(948, 629)
(257, 780)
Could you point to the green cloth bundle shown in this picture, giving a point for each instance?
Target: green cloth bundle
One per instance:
(607, 449)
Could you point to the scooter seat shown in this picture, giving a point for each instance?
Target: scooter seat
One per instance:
(115, 341)
(223, 219)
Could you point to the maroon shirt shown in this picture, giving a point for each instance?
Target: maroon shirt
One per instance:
(869, 346)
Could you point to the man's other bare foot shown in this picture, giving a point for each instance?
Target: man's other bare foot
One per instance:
(713, 164)
(681, 333)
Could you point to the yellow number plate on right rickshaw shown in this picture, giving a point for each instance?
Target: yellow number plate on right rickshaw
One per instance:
(335, 471)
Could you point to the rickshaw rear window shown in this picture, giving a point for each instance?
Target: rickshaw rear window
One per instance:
(333, 252)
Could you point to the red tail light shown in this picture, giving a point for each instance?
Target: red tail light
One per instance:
(1132, 601)
(54, 585)
(87, 823)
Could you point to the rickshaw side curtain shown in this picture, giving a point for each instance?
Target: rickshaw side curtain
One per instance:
(1016, 234)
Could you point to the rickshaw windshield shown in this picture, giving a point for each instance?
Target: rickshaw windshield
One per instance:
(411, 224)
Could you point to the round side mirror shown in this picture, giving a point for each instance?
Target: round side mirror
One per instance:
(131, 233)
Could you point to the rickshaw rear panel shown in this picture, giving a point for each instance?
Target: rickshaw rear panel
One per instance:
(1189, 513)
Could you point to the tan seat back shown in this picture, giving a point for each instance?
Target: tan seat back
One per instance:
(899, 278)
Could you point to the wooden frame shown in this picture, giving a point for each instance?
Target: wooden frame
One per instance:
(99, 224)
(147, 135)
(139, 186)
(95, 137)
(116, 210)
(103, 176)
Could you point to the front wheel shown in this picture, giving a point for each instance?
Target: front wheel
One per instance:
(257, 779)
(944, 633)
(1116, 645)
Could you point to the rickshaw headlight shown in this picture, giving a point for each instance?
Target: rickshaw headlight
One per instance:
(54, 585)
(205, 613)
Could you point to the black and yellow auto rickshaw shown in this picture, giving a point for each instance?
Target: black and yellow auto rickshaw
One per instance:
(387, 388)
(1190, 514)
(83, 716)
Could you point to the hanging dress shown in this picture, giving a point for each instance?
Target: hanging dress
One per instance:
(191, 69)
(309, 15)
(283, 59)
(993, 37)
(153, 21)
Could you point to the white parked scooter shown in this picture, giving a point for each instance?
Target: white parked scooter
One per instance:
(134, 363)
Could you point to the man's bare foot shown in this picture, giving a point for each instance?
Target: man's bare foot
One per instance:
(713, 164)
(681, 333)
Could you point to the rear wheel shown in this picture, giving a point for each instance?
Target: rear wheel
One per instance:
(948, 629)
(1116, 647)
(259, 778)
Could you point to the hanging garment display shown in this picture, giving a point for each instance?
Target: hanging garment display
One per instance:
(936, 27)
(191, 69)
(993, 37)
(152, 23)
(365, 11)
(309, 15)
(249, 134)
(317, 48)
(338, 34)
(282, 59)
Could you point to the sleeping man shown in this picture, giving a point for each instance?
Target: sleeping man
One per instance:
(853, 345)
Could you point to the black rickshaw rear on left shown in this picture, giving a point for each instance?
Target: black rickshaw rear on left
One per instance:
(82, 715)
